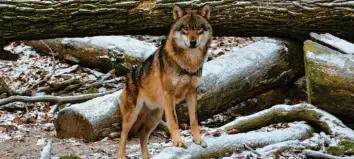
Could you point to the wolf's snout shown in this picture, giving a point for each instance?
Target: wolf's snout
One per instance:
(193, 43)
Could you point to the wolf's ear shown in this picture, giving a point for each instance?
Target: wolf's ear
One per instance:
(205, 11)
(178, 12)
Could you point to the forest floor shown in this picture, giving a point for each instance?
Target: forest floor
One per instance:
(26, 127)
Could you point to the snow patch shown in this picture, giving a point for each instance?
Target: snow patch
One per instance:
(128, 46)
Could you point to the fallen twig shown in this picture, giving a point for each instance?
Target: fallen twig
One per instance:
(164, 127)
(45, 79)
(99, 83)
(47, 151)
(320, 155)
(53, 110)
(95, 73)
(53, 99)
(254, 151)
(107, 75)
(58, 85)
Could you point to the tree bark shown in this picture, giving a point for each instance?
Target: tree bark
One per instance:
(103, 52)
(260, 67)
(330, 70)
(29, 20)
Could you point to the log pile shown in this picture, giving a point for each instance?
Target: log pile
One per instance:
(269, 71)
(260, 67)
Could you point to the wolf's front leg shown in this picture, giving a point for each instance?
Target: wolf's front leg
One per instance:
(172, 119)
(191, 99)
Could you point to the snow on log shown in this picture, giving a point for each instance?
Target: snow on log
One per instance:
(103, 52)
(285, 113)
(219, 146)
(247, 72)
(329, 68)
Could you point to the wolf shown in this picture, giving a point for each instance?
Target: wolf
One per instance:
(170, 75)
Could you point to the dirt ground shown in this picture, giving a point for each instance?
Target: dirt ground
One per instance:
(29, 146)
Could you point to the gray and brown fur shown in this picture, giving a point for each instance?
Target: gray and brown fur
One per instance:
(168, 76)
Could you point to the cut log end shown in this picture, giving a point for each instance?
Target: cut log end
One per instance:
(78, 127)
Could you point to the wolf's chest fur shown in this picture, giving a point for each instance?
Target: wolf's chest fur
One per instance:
(176, 74)
(190, 60)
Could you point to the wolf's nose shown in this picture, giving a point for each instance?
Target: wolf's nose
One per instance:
(193, 43)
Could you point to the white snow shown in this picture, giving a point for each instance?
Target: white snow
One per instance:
(335, 42)
(343, 61)
(128, 46)
(247, 58)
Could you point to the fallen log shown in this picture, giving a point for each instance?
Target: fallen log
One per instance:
(219, 146)
(242, 74)
(103, 52)
(91, 120)
(330, 70)
(47, 19)
(285, 113)
(230, 143)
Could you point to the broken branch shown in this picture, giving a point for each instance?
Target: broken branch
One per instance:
(53, 99)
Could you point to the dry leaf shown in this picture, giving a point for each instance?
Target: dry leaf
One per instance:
(30, 120)
(17, 120)
(184, 126)
(216, 133)
(233, 131)
(46, 108)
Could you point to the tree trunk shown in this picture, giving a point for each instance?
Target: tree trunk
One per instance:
(103, 52)
(29, 20)
(330, 70)
(227, 80)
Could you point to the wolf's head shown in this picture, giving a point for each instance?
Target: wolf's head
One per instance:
(191, 28)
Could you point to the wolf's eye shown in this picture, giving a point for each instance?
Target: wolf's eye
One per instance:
(199, 29)
(184, 30)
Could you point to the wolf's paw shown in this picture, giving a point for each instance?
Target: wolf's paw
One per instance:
(201, 142)
(179, 143)
(146, 156)
(121, 157)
